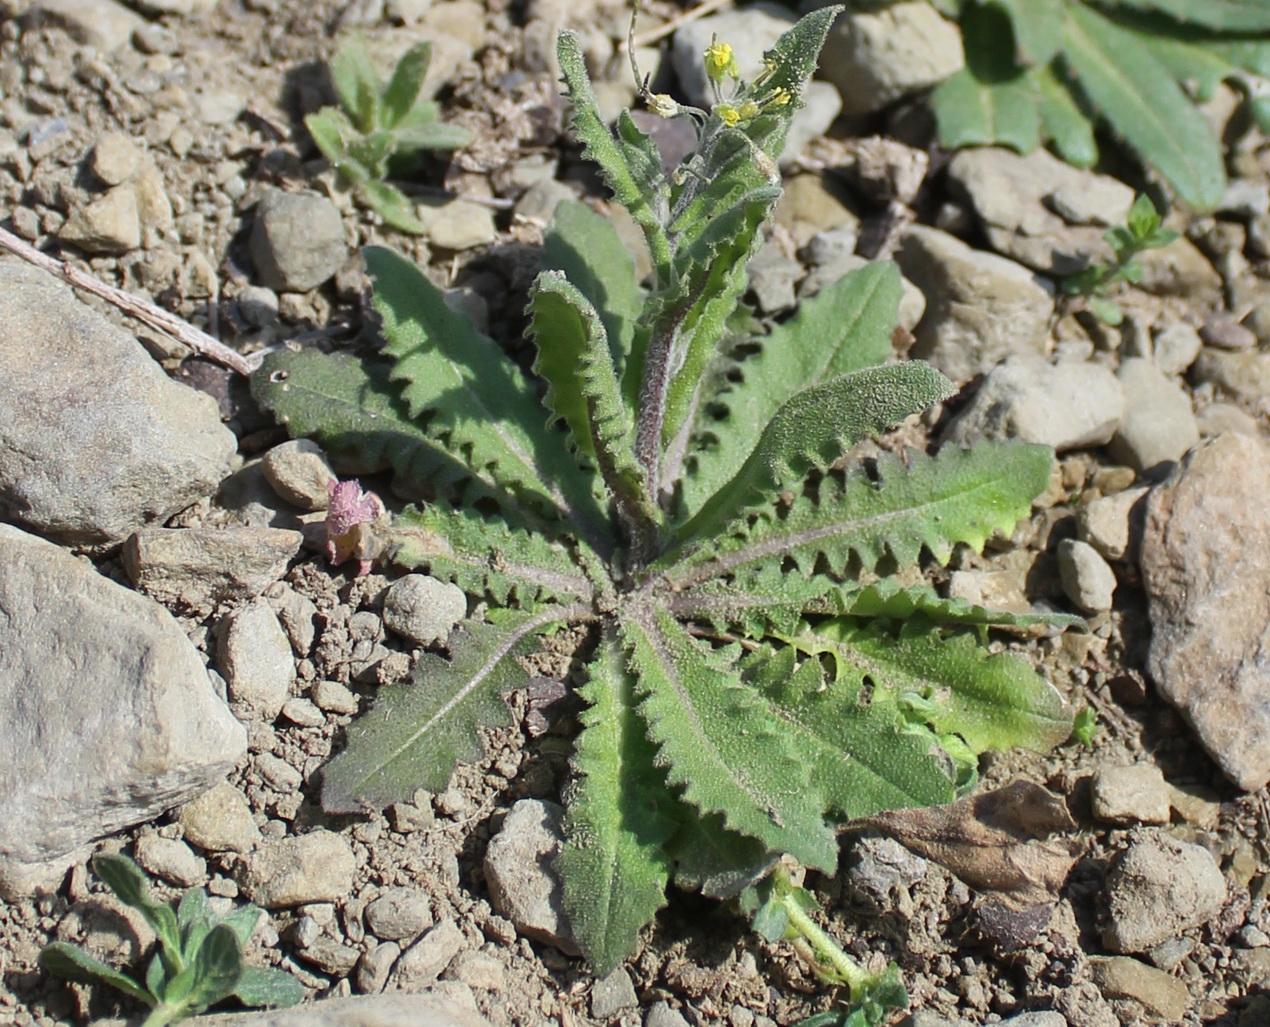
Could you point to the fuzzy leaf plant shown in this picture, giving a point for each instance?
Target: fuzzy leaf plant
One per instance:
(671, 483)
(1054, 70)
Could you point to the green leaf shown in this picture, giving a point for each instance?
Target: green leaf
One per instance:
(613, 867)
(356, 83)
(933, 503)
(720, 742)
(157, 975)
(713, 860)
(1222, 15)
(1141, 102)
(486, 558)
(392, 205)
(216, 969)
(265, 986)
(327, 127)
(372, 151)
(74, 964)
(191, 908)
(402, 91)
(845, 327)
(475, 402)
(887, 598)
(634, 185)
(123, 877)
(971, 112)
(1037, 28)
(593, 257)
(1195, 64)
(992, 700)
(416, 733)
(425, 131)
(811, 430)
(1063, 122)
(243, 922)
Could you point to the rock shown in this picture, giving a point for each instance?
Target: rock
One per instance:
(296, 614)
(1135, 794)
(821, 106)
(1242, 375)
(772, 276)
(612, 995)
(1225, 417)
(876, 57)
(299, 472)
(1222, 331)
(314, 867)
(878, 868)
(111, 223)
(1176, 346)
(423, 610)
(1158, 425)
(458, 224)
(76, 469)
(220, 820)
(809, 206)
(425, 960)
(1205, 560)
(170, 859)
(220, 107)
(1160, 994)
(1158, 888)
(277, 773)
(115, 158)
(1179, 269)
(107, 712)
(1038, 210)
(105, 25)
(1087, 580)
(1112, 524)
(397, 1009)
(331, 956)
(200, 567)
(480, 971)
(335, 698)
(517, 867)
(297, 241)
(258, 307)
(183, 8)
(1070, 405)
(303, 712)
(398, 913)
(540, 200)
(662, 1014)
(255, 658)
(374, 966)
(750, 31)
(981, 308)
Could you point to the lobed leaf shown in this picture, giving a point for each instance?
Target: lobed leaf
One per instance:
(613, 868)
(970, 112)
(415, 734)
(886, 598)
(1062, 120)
(719, 742)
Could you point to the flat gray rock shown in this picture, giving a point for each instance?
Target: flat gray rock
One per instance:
(107, 712)
(400, 1009)
(1205, 562)
(96, 440)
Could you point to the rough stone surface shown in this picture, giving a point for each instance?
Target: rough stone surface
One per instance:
(1176, 346)
(399, 913)
(1069, 405)
(74, 468)
(663, 1014)
(517, 866)
(397, 1009)
(876, 57)
(297, 241)
(1178, 269)
(1158, 425)
(1112, 524)
(425, 960)
(299, 472)
(1136, 794)
(612, 994)
(1038, 210)
(256, 659)
(170, 859)
(1205, 562)
(105, 25)
(110, 223)
(107, 712)
(199, 567)
(981, 308)
(1160, 994)
(220, 820)
(115, 158)
(458, 224)
(313, 867)
(422, 609)
(1087, 580)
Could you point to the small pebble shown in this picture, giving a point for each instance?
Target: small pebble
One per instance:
(335, 698)
(1087, 579)
(1131, 794)
(422, 609)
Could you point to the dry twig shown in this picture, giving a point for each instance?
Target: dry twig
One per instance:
(654, 35)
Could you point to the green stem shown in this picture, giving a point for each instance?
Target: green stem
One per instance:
(827, 951)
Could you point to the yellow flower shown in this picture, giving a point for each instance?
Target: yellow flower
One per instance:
(748, 109)
(780, 97)
(662, 105)
(720, 62)
(728, 113)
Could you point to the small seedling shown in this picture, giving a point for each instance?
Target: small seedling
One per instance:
(1085, 726)
(198, 960)
(1142, 231)
(381, 127)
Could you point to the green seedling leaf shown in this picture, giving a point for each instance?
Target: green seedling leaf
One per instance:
(391, 204)
(356, 84)
(407, 80)
(124, 878)
(216, 968)
(73, 964)
(267, 987)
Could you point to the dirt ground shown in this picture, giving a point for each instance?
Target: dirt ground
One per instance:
(699, 957)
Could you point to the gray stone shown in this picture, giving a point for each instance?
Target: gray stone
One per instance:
(876, 57)
(1160, 994)
(750, 31)
(107, 712)
(398, 913)
(330, 956)
(1158, 888)
(1225, 417)
(423, 610)
(662, 1014)
(1242, 375)
(772, 276)
(115, 158)
(297, 241)
(437, 1008)
(612, 995)
(255, 657)
(1087, 580)
(1176, 346)
(374, 967)
(1070, 405)
(105, 25)
(335, 698)
(314, 867)
(1111, 524)
(303, 712)
(220, 820)
(277, 773)
(77, 469)
(170, 859)
(1158, 426)
(199, 567)
(879, 867)
(1179, 269)
(258, 306)
(1038, 210)
(518, 864)
(300, 473)
(1136, 794)
(981, 308)
(296, 613)
(1205, 560)
(183, 8)
(219, 106)
(1037, 1018)
(458, 224)
(821, 106)
(1221, 331)
(540, 200)
(110, 223)
(480, 971)
(425, 960)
